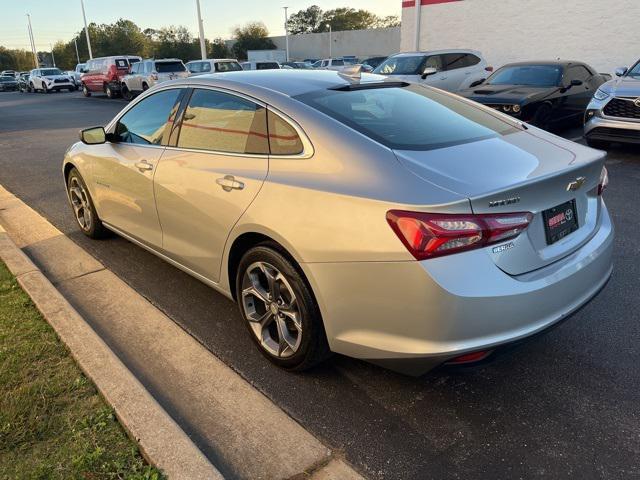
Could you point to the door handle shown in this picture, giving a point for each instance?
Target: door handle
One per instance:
(143, 166)
(229, 182)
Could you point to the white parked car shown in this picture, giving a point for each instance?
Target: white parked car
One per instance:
(147, 73)
(214, 65)
(263, 65)
(451, 70)
(336, 64)
(50, 79)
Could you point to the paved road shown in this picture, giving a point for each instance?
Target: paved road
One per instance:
(566, 405)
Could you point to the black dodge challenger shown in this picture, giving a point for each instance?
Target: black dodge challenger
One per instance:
(541, 93)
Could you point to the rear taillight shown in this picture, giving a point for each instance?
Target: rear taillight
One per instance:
(489, 69)
(429, 235)
(604, 181)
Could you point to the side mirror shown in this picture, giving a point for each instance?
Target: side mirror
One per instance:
(429, 71)
(576, 83)
(621, 72)
(477, 83)
(93, 136)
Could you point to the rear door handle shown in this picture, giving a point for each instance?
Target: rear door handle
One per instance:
(229, 182)
(143, 166)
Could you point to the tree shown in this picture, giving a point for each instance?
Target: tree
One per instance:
(305, 21)
(218, 49)
(253, 36)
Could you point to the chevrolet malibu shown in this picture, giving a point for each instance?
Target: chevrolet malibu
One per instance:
(350, 213)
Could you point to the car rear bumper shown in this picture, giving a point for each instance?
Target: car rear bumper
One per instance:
(413, 316)
(612, 130)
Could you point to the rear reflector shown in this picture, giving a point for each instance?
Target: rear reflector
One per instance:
(469, 358)
(429, 235)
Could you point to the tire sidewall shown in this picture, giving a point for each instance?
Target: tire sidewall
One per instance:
(96, 229)
(311, 319)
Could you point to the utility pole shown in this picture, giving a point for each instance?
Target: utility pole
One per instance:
(286, 31)
(418, 22)
(86, 29)
(33, 43)
(203, 48)
(75, 41)
(330, 41)
(53, 58)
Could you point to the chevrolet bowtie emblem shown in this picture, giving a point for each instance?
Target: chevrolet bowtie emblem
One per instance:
(576, 184)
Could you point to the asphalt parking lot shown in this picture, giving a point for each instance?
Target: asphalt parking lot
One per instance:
(564, 405)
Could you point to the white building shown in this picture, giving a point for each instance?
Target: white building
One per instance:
(602, 33)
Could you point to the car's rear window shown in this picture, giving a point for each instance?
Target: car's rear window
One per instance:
(165, 67)
(409, 117)
(404, 65)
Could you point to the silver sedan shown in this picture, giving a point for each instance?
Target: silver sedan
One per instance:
(380, 219)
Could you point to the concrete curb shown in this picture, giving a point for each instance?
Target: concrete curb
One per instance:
(242, 431)
(162, 442)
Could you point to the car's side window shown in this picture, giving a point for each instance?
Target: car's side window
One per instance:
(222, 122)
(283, 138)
(135, 68)
(338, 63)
(472, 60)
(147, 67)
(150, 121)
(206, 66)
(578, 73)
(434, 61)
(453, 61)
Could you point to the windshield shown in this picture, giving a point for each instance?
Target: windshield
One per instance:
(228, 67)
(635, 71)
(405, 65)
(410, 117)
(80, 66)
(50, 71)
(165, 67)
(530, 75)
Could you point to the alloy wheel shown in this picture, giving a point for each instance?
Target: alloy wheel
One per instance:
(80, 203)
(272, 310)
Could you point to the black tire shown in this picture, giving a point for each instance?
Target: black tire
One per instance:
(145, 87)
(109, 91)
(85, 91)
(542, 117)
(599, 144)
(45, 89)
(126, 93)
(313, 348)
(95, 229)
(31, 89)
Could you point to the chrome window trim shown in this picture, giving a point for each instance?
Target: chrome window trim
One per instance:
(307, 146)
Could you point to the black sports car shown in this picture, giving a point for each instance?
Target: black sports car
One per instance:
(541, 93)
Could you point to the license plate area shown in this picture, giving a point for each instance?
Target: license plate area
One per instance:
(560, 221)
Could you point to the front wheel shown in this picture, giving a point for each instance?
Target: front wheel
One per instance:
(45, 89)
(83, 208)
(279, 309)
(542, 117)
(126, 93)
(109, 91)
(85, 91)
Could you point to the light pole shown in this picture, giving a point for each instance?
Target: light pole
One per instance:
(75, 41)
(86, 30)
(203, 48)
(417, 27)
(330, 42)
(286, 31)
(33, 43)
(53, 58)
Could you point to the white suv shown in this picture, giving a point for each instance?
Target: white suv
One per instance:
(147, 73)
(336, 64)
(50, 79)
(214, 65)
(451, 70)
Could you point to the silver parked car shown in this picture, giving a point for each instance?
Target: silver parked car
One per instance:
(213, 65)
(451, 70)
(614, 112)
(387, 221)
(147, 73)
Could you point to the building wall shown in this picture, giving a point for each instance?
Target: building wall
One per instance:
(361, 43)
(603, 33)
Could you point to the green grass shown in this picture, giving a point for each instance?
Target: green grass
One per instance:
(53, 422)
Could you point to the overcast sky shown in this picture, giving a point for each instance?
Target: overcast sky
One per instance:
(56, 20)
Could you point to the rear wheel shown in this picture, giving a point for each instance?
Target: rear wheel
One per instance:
(109, 91)
(85, 91)
(279, 309)
(126, 93)
(83, 208)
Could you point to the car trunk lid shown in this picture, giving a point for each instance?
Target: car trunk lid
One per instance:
(520, 172)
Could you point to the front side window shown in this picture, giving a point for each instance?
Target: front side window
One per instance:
(135, 68)
(283, 138)
(406, 65)
(228, 67)
(530, 75)
(148, 67)
(338, 63)
(206, 66)
(410, 117)
(222, 122)
(194, 67)
(579, 73)
(148, 122)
